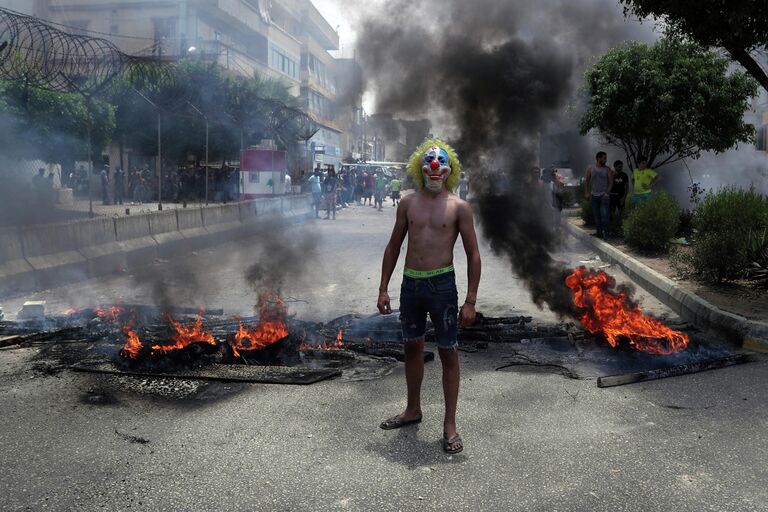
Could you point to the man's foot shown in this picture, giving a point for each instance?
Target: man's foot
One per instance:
(598, 235)
(399, 421)
(452, 445)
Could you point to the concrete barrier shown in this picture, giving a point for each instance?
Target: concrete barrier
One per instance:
(164, 227)
(135, 237)
(97, 242)
(220, 220)
(52, 252)
(16, 274)
(40, 257)
(190, 221)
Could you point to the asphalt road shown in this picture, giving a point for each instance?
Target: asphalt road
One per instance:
(535, 441)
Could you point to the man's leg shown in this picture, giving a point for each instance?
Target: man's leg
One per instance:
(450, 360)
(414, 375)
(606, 213)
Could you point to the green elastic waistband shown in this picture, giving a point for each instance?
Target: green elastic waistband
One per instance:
(421, 274)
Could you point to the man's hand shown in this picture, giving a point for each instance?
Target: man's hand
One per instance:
(383, 304)
(467, 314)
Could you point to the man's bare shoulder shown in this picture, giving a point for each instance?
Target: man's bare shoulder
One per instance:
(459, 203)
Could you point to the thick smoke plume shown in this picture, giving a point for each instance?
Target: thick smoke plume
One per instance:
(497, 71)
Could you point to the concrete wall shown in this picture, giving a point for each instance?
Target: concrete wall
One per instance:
(39, 257)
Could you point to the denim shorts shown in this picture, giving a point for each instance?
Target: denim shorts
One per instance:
(434, 295)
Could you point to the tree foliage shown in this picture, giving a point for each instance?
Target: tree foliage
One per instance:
(235, 107)
(668, 101)
(51, 126)
(737, 27)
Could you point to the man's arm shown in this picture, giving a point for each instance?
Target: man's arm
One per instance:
(469, 239)
(391, 253)
(654, 182)
(611, 179)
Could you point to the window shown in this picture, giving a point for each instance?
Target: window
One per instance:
(253, 177)
(281, 61)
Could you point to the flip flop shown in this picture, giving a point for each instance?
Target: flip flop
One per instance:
(398, 422)
(452, 441)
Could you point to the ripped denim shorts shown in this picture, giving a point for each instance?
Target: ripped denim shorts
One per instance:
(434, 295)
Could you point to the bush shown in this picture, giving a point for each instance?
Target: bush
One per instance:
(726, 222)
(685, 229)
(650, 225)
(757, 271)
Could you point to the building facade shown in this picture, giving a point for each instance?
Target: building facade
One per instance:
(285, 39)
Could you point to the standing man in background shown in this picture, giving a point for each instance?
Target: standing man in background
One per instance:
(463, 187)
(104, 175)
(317, 191)
(394, 187)
(644, 180)
(620, 188)
(597, 186)
(119, 185)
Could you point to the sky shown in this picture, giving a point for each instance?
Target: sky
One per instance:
(332, 12)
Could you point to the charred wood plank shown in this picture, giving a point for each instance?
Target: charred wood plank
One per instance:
(224, 373)
(39, 336)
(674, 371)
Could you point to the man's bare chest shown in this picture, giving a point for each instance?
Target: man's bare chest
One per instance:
(432, 219)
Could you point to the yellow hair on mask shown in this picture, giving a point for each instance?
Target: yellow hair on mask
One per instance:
(414, 164)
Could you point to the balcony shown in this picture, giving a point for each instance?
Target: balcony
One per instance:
(319, 29)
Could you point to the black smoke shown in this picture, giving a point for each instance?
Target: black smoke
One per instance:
(494, 72)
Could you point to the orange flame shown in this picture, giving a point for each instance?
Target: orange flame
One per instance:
(112, 313)
(132, 343)
(336, 344)
(271, 326)
(185, 335)
(610, 312)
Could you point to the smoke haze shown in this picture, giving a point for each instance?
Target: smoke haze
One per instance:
(493, 73)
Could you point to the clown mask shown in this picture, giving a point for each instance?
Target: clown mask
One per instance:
(435, 168)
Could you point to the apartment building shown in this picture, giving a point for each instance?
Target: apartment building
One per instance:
(287, 39)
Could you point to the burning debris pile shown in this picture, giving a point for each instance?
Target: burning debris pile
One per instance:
(612, 334)
(609, 311)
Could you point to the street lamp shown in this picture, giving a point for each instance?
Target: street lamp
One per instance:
(206, 147)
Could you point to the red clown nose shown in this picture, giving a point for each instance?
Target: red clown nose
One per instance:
(434, 165)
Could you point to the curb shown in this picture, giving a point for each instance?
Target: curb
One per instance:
(749, 334)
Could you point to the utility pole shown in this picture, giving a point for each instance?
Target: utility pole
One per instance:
(159, 162)
(206, 147)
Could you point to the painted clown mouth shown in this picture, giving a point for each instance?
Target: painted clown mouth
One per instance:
(436, 177)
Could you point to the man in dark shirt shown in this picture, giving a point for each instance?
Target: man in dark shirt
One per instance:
(620, 188)
(119, 185)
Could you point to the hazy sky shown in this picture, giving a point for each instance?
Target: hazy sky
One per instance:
(332, 11)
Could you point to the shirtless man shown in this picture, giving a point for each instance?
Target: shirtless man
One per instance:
(432, 218)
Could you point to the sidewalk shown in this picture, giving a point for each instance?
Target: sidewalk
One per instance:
(737, 311)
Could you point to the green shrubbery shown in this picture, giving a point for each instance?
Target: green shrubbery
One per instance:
(727, 225)
(649, 225)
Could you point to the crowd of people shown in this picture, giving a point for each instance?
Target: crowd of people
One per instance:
(331, 190)
(608, 189)
(140, 185)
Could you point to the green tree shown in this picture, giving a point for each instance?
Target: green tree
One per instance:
(737, 27)
(668, 101)
(252, 108)
(51, 126)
